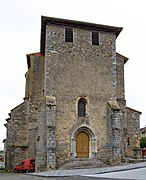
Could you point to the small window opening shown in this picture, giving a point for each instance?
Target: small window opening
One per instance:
(95, 38)
(82, 107)
(68, 35)
(128, 141)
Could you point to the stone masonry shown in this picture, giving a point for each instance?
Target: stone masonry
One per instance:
(73, 90)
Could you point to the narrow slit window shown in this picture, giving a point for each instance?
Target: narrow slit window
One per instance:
(68, 35)
(95, 38)
(81, 108)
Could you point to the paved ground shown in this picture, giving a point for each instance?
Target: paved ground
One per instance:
(139, 174)
(12, 176)
(135, 171)
(81, 172)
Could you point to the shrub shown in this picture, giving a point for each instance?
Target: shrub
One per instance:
(143, 142)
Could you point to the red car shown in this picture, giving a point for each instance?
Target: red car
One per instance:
(27, 165)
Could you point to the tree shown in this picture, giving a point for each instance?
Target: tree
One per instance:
(143, 142)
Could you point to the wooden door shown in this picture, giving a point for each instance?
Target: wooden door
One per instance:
(82, 145)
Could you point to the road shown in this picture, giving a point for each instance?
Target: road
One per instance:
(138, 174)
(135, 174)
(12, 176)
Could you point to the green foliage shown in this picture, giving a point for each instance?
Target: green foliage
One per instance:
(143, 142)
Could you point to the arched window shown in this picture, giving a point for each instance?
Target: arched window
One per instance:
(82, 107)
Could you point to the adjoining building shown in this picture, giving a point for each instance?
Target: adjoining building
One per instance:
(143, 132)
(74, 111)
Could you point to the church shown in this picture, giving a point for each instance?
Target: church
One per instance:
(74, 112)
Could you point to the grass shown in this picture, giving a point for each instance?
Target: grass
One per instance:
(3, 171)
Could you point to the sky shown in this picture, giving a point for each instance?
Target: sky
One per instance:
(20, 24)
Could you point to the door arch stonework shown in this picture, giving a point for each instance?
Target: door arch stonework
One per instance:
(92, 140)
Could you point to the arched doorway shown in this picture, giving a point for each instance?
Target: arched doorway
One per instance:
(86, 133)
(82, 145)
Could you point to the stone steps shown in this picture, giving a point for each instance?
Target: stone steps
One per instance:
(82, 164)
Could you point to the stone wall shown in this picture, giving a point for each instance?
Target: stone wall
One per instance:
(41, 143)
(33, 95)
(121, 60)
(75, 70)
(46, 135)
(17, 136)
(113, 150)
(133, 125)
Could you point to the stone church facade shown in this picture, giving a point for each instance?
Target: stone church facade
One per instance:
(74, 111)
